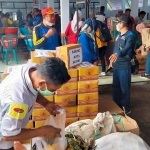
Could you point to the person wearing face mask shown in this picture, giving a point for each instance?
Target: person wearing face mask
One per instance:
(139, 18)
(20, 90)
(121, 63)
(45, 35)
(88, 42)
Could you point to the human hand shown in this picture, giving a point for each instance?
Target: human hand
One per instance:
(113, 57)
(96, 63)
(50, 132)
(52, 108)
(18, 146)
(50, 32)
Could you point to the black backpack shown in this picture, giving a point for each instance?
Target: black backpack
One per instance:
(105, 35)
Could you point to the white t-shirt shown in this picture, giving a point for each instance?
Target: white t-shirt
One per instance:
(17, 98)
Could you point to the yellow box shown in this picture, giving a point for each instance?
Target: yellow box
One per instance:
(71, 120)
(39, 124)
(29, 125)
(40, 114)
(50, 98)
(88, 71)
(87, 110)
(87, 117)
(68, 88)
(88, 86)
(39, 56)
(37, 105)
(71, 111)
(25, 141)
(88, 98)
(73, 74)
(71, 54)
(66, 100)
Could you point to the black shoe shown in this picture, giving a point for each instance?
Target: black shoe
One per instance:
(145, 76)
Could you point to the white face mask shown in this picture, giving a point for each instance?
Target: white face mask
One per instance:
(117, 28)
(49, 24)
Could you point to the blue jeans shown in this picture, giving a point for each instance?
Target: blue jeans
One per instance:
(147, 70)
(121, 87)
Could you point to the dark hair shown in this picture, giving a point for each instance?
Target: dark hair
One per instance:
(128, 9)
(102, 8)
(142, 13)
(7, 15)
(54, 69)
(29, 16)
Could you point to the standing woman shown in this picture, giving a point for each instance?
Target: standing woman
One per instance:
(71, 31)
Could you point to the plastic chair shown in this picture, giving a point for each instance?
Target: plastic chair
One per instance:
(9, 44)
(29, 42)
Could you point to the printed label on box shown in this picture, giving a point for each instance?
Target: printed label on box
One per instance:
(75, 56)
(41, 53)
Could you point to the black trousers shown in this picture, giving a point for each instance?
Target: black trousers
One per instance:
(8, 149)
(102, 57)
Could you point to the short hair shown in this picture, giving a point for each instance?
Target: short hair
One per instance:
(102, 7)
(128, 9)
(54, 70)
(142, 13)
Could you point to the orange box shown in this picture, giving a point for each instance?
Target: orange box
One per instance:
(88, 71)
(87, 110)
(71, 120)
(71, 54)
(88, 86)
(71, 111)
(68, 88)
(84, 118)
(39, 56)
(29, 125)
(73, 74)
(88, 98)
(39, 123)
(40, 114)
(66, 100)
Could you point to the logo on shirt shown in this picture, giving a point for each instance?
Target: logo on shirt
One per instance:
(18, 110)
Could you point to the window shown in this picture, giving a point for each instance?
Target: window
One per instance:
(7, 5)
(20, 5)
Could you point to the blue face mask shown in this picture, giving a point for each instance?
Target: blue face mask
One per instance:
(45, 92)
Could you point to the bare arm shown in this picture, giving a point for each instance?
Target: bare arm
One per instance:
(25, 134)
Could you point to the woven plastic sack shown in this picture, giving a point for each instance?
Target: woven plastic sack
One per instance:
(121, 141)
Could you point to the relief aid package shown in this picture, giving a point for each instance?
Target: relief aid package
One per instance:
(59, 143)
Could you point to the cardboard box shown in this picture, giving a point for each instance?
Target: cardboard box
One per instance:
(39, 56)
(87, 117)
(66, 100)
(142, 61)
(127, 124)
(71, 120)
(88, 86)
(87, 110)
(50, 98)
(88, 98)
(29, 125)
(88, 71)
(39, 123)
(71, 111)
(8, 70)
(73, 74)
(40, 114)
(71, 54)
(25, 141)
(37, 105)
(107, 104)
(68, 88)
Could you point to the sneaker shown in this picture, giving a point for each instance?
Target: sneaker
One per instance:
(102, 74)
(145, 76)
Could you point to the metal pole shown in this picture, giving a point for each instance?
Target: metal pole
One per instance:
(77, 20)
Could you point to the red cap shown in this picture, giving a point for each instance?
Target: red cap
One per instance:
(47, 11)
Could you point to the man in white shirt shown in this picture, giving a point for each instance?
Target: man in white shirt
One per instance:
(139, 18)
(18, 93)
